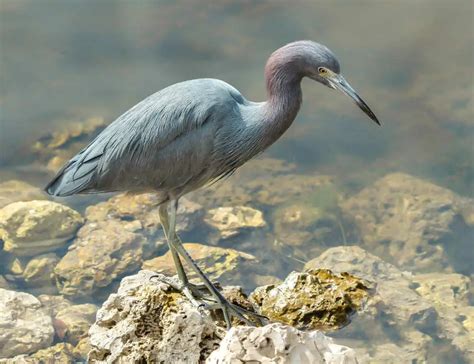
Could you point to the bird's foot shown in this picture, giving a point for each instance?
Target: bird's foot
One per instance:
(203, 299)
(230, 310)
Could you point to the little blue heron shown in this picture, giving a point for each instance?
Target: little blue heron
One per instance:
(195, 132)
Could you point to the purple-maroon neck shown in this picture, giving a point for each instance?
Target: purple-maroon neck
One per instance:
(283, 80)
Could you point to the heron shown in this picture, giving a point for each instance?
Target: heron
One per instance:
(193, 133)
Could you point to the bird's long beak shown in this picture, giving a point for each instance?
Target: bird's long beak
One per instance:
(339, 83)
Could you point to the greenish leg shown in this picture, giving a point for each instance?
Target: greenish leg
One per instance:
(228, 309)
(164, 220)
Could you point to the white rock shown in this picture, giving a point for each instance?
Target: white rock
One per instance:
(147, 321)
(25, 325)
(276, 343)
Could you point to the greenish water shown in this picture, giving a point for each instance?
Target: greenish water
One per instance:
(411, 61)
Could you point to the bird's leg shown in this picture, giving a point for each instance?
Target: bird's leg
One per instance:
(186, 287)
(228, 309)
(165, 223)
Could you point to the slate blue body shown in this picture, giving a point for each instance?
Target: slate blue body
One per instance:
(196, 131)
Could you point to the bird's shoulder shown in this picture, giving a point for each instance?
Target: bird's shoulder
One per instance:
(203, 91)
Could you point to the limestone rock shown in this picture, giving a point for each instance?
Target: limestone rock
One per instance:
(413, 348)
(225, 265)
(357, 261)
(236, 191)
(147, 321)
(54, 303)
(25, 326)
(277, 343)
(14, 265)
(36, 227)
(230, 221)
(287, 188)
(82, 349)
(143, 208)
(38, 273)
(410, 305)
(14, 191)
(444, 289)
(299, 224)
(102, 252)
(316, 299)
(407, 221)
(60, 353)
(71, 322)
(4, 283)
(76, 320)
(394, 295)
(449, 294)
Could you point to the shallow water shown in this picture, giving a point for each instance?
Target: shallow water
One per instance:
(411, 61)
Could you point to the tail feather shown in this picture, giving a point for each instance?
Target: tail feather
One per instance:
(77, 176)
(64, 184)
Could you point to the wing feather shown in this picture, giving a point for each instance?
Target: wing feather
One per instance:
(134, 142)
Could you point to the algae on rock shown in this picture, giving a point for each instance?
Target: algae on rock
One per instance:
(315, 299)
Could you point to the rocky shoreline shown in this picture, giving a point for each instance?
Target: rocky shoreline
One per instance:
(76, 285)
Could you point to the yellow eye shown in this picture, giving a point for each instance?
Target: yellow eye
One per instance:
(322, 71)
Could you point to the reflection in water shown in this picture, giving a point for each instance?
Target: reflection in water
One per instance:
(74, 66)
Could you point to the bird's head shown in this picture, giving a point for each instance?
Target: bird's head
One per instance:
(323, 67)
(316, 61)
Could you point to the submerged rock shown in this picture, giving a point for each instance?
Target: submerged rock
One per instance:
(147, 321)
(102, 252)
(54, 303)
(76, 320)
(4, 283)
(413, 223)
(413, 347)
(407, 312)
(71, 322)
(277, 343)
(14, 191)
(449, 293)
(25, 325)
(225, 265)
(316, 299)
(230, 221)
(143, 208)
(81, 350)
(60, 353)
(393, 296)
(287, 188)
(236, 191)
(301, 223)
(38, 273)
(36, 227)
